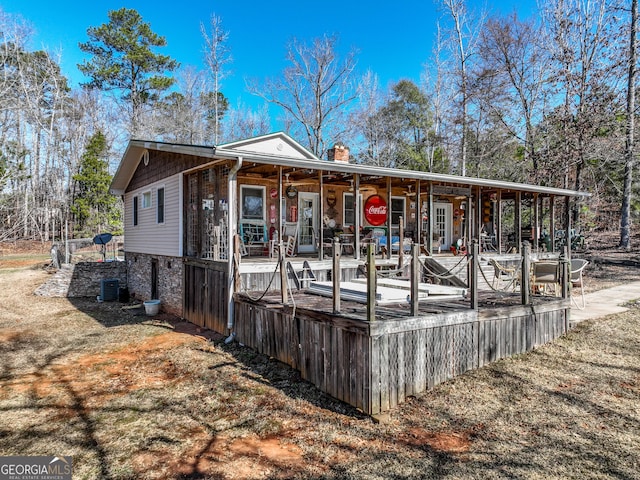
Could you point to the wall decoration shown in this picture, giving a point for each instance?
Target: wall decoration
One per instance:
(331, 198)
(375, 210)
(292, 192)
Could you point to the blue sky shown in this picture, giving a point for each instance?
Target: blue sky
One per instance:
(394, 40)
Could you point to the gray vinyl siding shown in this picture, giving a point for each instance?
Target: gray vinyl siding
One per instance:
(148, 236)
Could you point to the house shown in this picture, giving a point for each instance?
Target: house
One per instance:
(184, 204)
(206, 224)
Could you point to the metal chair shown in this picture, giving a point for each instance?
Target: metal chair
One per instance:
(577, 266)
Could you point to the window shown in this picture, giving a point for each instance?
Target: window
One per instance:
(252, 201)
(349, 213)
(146, 199)
(397, 210)
(160, 205)
(135, 210)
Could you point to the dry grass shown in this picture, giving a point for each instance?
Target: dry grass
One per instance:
(134, 398)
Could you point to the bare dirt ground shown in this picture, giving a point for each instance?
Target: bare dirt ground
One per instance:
(131, 397)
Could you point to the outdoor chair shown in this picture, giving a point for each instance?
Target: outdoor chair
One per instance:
(327, 241)
(545, 276)
(290, 236)
(577, 279)
(503, 273)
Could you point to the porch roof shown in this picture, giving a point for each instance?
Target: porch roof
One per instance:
(260, 152)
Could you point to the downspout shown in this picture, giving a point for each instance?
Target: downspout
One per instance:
(231, 233)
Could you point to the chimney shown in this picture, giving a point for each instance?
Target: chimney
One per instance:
(339, 153)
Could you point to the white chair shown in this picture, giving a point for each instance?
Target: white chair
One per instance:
(577, 280)
(290, 236)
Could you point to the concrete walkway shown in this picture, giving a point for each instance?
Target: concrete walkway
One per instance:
(605, 302)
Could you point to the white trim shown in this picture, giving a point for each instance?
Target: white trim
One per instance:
(448, 223)
(314, 198)
(143, 195)
(355, 214)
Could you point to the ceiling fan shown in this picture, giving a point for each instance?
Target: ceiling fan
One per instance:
(409, 192)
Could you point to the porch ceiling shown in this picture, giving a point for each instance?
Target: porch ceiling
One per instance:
(310, 176)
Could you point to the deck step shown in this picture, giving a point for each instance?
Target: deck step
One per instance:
(301, 277)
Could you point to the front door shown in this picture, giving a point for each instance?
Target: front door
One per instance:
(442, 219)
(307, 218)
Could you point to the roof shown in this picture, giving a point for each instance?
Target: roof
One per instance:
(281, 150)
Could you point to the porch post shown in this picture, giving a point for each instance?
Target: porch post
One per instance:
(430, 220)
(232, 231)
(371, 283)
(567, 225)
(473, 273)
(357, 219)
(478, 214)
(415, 278)
(400, 242)
(525, 283)
(535, 233)
(497, 219)
(388, 217)
(284, 282)
(418, 214)
(336, 274)
(565, 275)
(280, 212)
(517, 221)
(552, 222)
(321, 213)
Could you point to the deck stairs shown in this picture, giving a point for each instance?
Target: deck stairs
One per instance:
(301, 278)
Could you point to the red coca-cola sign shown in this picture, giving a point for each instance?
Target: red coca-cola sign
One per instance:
(375, 210)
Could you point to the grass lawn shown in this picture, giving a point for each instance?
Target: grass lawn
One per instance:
(132, 397)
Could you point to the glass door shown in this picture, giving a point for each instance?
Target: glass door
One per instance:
(442, 220)
(307, 221)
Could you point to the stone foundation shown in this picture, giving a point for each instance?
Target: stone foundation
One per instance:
(169, 279)
(83, 279)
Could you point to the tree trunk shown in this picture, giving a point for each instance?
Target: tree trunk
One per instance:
(625, 214)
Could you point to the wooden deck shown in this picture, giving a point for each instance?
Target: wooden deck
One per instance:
(375, 366)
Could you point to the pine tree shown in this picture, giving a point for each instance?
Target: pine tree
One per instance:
(94, 209)
(124, 61)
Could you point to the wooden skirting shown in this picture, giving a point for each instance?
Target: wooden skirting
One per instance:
(375, 366)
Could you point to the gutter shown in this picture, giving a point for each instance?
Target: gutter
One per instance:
(231, 232)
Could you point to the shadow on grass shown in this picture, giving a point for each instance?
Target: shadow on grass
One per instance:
(258, 367)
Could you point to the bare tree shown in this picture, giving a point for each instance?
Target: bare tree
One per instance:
(243, 122)
(580, 39)
(366, 129)
(314, 90)
(463, 39)
(629, 154)
(515, 62)
(216, 55)
(441, 94)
